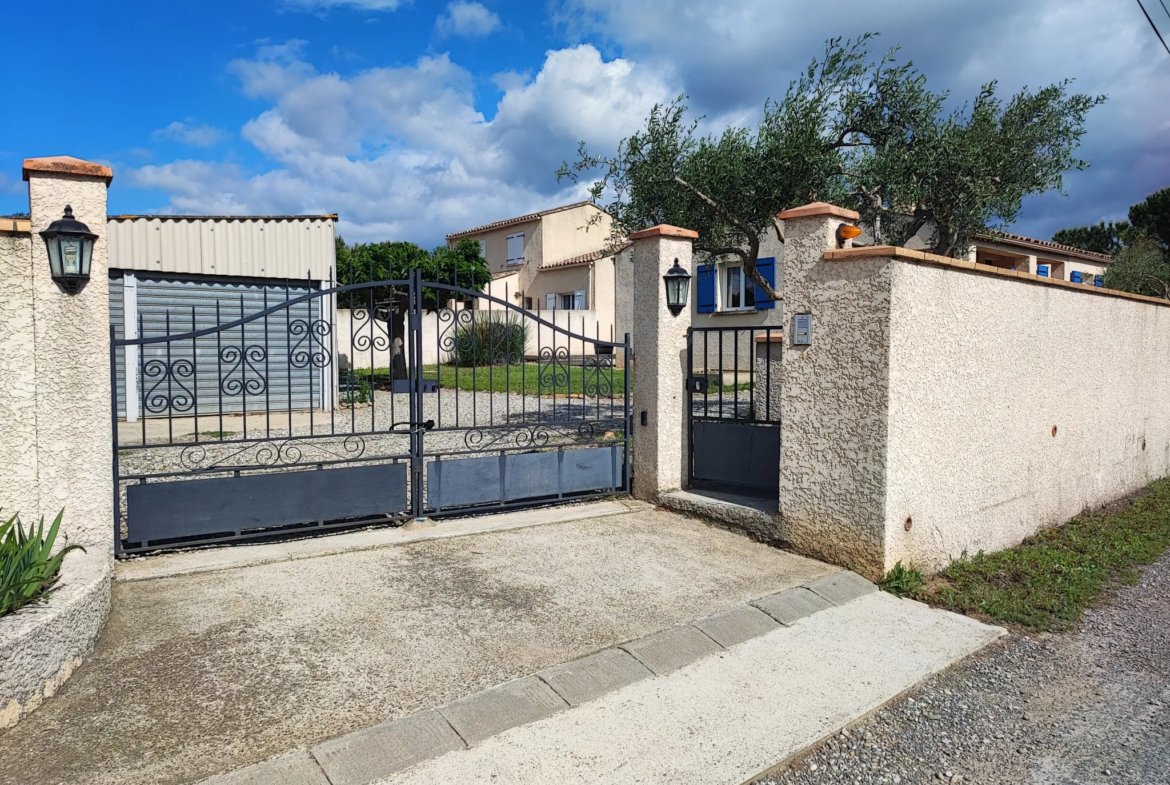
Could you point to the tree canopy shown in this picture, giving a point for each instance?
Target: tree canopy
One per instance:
(850, 130)
(462, 266)
(1140, 246)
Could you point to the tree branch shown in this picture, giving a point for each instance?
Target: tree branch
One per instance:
(749, 257)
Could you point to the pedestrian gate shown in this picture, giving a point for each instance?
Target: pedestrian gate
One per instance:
(733, 409)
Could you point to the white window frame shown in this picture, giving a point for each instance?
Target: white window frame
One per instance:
(721, 295)
(508, 248)
(566, 301)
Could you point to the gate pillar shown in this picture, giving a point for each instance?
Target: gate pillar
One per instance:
(660, 351)
(54, 352)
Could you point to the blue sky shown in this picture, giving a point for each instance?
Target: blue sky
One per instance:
(414, 119)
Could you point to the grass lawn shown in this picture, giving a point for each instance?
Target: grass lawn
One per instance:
(527, 379)
(1046, 582)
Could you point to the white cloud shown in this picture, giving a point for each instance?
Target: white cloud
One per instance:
(193, 135)
(470, 20)
(403, 152)
(732, 54)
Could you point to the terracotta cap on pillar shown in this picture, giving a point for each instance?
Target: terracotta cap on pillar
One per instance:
(67, 164)
(819, 208)
(665, 230)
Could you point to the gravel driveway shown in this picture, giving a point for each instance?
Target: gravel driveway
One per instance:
(1092, 706)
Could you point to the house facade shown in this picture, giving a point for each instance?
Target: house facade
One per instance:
(554, 262)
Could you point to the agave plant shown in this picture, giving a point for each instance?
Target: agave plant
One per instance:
(27, 570)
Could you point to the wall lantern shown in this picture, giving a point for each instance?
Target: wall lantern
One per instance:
(70, 244)
(677, 280)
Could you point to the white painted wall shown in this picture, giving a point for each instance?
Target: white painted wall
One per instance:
(981, 369)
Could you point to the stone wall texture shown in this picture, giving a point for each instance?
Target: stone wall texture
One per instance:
(834, 397)
(72, 341)
(42, 644)
(660, 351)
(1014, 406)
(18, 393)
(943, 410)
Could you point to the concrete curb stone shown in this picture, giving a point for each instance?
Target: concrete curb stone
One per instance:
(591, 677)
(841, 587)
(671, 649)
(790, 606)
(368, 755)
(484, 714)
(736, 625)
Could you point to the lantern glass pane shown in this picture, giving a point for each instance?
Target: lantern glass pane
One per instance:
(86, 255)
(70, 255)
(53, 244)
(676, 291)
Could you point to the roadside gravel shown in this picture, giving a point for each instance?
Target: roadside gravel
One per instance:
(1091, 706)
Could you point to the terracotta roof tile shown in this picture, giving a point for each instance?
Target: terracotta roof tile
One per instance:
(1031, 242)
(513, 221)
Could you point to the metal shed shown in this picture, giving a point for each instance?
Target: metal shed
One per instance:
(176, 274)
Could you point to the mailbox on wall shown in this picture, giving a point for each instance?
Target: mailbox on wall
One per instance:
(802, 329)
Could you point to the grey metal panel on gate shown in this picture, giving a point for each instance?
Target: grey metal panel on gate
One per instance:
(466, 481)
(164, 510)
(463, 481)
(737, 454)
(118, 322)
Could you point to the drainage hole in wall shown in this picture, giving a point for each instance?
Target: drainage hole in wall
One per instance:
(1143, 444)
(909, 522)
(1054, 430)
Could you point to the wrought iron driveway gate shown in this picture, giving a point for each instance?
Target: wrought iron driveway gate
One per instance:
(427, 400)
(733, 409)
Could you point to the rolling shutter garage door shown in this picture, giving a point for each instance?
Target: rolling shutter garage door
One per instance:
(262, 378)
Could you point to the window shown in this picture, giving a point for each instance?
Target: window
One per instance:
(738, 292)
(572, 301)
(516, 248)
(528, 303)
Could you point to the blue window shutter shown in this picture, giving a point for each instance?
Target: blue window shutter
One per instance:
(1076, 276)
(767, 268)
(705, 288)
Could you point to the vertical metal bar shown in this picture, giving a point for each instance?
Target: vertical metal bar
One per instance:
(288, 345)
(689, 398)
(219, 364)
(439, 361)
(720, 374)
(735, 383)
(351, 376)
(114, 439)
(768, 375)
(195, 373)
(415, 387)
(141, 379)
(507, 358)
(626, 409)
(331, 359)
(170, 393)
(309, 346)
(267, 373)
(491, 334)
(706, 372)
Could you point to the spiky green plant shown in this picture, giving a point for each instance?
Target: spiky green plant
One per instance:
(28, 568)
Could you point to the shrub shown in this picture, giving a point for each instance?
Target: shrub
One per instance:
(490, 338)
(27, 570)
(903, 581)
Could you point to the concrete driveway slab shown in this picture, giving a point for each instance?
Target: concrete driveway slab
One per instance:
(202, 673)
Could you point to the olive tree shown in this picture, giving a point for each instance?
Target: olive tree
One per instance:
(851, 130)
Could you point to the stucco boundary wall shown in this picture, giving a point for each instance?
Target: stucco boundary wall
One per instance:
(985, 404)
(42, 644)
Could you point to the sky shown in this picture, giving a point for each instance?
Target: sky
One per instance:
(413, 119)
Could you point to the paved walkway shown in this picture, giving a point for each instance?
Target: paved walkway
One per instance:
(205, 672)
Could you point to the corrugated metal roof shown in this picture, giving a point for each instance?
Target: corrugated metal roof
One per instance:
(513, 221)
(292, 247)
